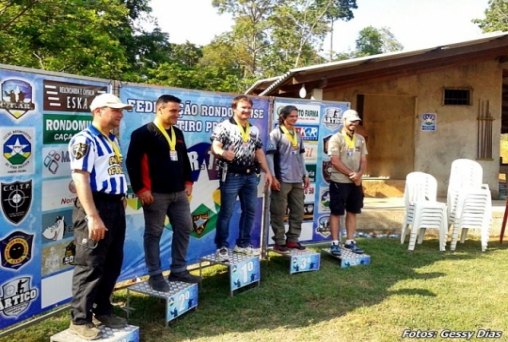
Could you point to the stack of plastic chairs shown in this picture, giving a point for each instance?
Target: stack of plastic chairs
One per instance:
(465, 174)
(475, 212)
(422, 209)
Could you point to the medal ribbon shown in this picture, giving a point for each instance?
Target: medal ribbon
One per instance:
(291, 137)
(114, 145)
(350, 142)
(245, 132)
(171, 140)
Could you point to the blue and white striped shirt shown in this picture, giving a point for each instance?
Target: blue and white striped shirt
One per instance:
(91, 151)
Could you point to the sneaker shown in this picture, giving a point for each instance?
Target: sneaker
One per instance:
(158, 283)
(282, 249)
(86, 331)
(353, 247)
(222, 254)
(111, 321)
(246, 250)
(295, 245)
(184, 276)
(335, 250)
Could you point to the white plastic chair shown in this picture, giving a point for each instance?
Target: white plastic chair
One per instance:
(465, 174)
(422, 209)
(475, 212)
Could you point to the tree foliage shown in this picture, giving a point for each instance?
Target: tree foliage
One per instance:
(496, 17)
(110, 39)
(373, 41)
(272, 36)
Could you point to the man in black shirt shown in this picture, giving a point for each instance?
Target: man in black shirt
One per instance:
(160, 175)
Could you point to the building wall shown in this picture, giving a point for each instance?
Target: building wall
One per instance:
(456, 135)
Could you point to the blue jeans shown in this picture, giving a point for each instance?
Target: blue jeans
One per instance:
(246, 188)
(176, 207)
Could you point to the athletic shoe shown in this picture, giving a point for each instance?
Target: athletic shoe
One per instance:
(335, 250)
(86, 331)
(246, 250)
(222, 254)
(158, 283)
(295, 245)
(184, 276)
(111, 321)
(353, 247)
(282, 249)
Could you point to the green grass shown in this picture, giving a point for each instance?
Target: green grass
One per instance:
(423, 290)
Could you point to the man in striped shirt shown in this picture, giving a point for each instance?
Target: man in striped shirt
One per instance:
(99, 218)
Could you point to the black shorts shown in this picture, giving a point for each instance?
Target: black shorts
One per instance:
(345, 197)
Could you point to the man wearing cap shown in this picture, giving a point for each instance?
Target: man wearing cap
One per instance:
(160, 175)
(348, 153)
(99, 218)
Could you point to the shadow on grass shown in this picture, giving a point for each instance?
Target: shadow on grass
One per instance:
(298, 300)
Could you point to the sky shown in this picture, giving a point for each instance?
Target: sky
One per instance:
(416, 24)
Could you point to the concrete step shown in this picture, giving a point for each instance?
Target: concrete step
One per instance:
(387, 214)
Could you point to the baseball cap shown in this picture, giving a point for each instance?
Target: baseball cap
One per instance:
(351, 115)
(108, 100)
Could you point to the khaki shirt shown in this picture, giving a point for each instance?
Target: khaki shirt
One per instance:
(337, 146)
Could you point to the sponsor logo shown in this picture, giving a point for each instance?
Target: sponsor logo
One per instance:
(70, 252)
(17, 295)
(203, 221)
(323, 227)
(54, 158)
(17, 148)
(70, 97)
(60, 128)
(56, 230)
(16, 249)
(16, 200)
(333, 118)
(16, 97)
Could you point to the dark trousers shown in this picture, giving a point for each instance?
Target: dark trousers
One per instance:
(97, 265)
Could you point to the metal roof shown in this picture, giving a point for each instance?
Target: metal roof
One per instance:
(489, 45)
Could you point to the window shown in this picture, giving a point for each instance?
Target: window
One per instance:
(453, 97)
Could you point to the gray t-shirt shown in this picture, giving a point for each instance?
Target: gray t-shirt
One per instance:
(288, 163)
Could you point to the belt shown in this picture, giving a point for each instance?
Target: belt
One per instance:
(108, 197)
(247, 171)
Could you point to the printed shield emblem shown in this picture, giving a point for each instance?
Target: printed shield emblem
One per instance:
(79, 150)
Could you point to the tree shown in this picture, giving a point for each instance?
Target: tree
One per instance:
(373, 41)
(496, 17)
(272, 36)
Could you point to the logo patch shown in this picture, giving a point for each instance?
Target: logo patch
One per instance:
(17, 149)
(16, 200)
(16, 296)
(16, 97)
(16, 249)
(79, 150)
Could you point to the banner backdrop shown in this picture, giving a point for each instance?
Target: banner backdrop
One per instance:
(38, 115)
(40, 112)
(200, 113)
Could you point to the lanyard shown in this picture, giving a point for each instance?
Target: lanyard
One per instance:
(114, 146)
(291, 137)
(245, 132)
(350, 142)
(171, 140)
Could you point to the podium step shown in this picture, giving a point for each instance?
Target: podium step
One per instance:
(128, 334)
(348, 258)
(181, 297)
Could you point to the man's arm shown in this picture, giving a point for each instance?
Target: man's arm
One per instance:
(96, 228)
(260, 157)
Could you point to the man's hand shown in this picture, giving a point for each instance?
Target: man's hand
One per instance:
(275, 184)
(96, 228)
(146, 197)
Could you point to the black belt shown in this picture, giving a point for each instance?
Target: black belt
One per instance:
(108, 197)
(246, 171)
